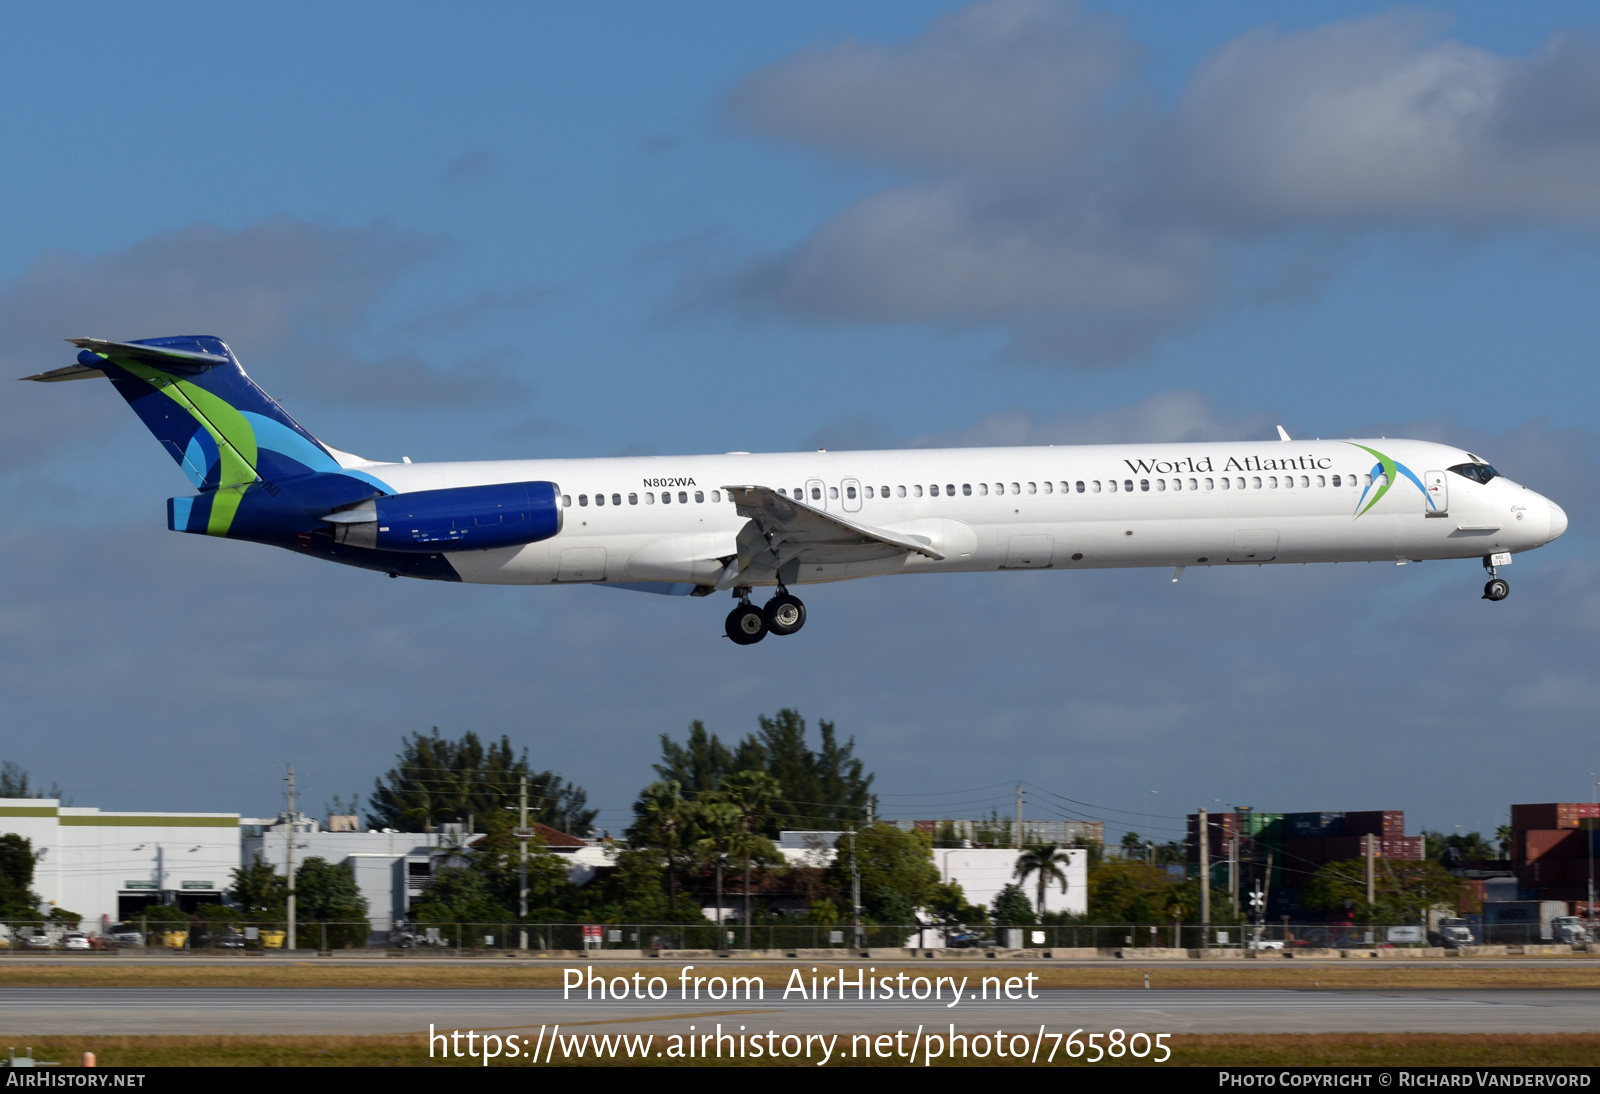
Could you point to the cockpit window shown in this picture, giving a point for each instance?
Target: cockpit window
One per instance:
(1477, 472)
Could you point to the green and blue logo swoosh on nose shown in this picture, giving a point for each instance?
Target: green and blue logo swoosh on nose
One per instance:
(1384, 475)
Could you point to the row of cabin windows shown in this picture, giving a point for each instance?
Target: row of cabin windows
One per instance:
(649, 498)
(1081, 486)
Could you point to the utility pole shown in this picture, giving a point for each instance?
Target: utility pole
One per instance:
(855, 891)
(1593, 826)
(1018, 839)
(522, 858)
(1205, 879)
(1233, 866)
(1371, 872)
(289, 935)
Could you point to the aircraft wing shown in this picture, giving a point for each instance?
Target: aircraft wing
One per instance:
(783, 531)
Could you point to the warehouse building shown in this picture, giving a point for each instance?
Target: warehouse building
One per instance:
(106, 866)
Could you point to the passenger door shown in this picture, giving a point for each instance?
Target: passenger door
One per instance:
(850, 495)
(1438, 503)
(816, 494)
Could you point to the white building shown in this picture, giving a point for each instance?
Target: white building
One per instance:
(983, 872)
(106, 866)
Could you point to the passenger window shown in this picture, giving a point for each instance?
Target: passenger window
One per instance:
(867, 490)
(883, 491)
(1033, 488)
(1321, 481)
(1047, 488)
(1111, 486)
(683, 497)
(1226, 483)
(1210, 485)
(1066, 488)
(850, 492)
(1096, 485)
(983, 489)
(916, 491)
(1127, 486)
(599, 499)
(1239, 482)
(833, 492)
(666, 497)
(566, 501)
(1336, 480)
(899, 491)
(816, 493)
(649, 498)
(716, 495)
(1080, 487)
(934, 490)
(1194, 485)
(1255, 481)
(1288, 482)
(1144, 485)
(966, 490)
(699, 496)
(782, 493)
(1016, 488)
(1161, 485)
(633, 499)
(583, 499)
(950, 489)
(797, 494)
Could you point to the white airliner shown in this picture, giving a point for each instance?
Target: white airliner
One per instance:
(694, 525)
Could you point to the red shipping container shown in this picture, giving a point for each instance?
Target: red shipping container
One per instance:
(1545, 816)
(1375, 822)
(1402, 847)
(1577, 872)
(1589, 809)
(1305, 853)
(1558, 843)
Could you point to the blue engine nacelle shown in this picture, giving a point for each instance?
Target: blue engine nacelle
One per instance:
(463, 518)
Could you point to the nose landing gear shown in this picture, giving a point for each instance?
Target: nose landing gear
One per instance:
(747, 624)
(1496, 588)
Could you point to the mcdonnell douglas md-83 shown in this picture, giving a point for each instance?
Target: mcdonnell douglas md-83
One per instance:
(694, 525)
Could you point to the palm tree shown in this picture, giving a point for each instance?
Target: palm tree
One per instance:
(719, 823)
(752, 793)
(1046, 861)
(662, 817)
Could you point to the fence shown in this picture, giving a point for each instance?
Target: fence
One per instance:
(18, 937)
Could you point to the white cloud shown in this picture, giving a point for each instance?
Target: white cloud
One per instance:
(1043, 191)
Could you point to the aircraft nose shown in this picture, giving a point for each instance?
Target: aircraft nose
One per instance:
(1558, 521)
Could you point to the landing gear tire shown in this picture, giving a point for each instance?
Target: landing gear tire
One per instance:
(784, 614)
(1497, 588)
(746, 625)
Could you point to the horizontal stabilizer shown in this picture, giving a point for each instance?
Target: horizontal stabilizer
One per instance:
(165, 357)
(71, 372)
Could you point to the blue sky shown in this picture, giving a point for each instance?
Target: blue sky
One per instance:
(588, 230)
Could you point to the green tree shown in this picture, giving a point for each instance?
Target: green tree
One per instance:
(826, 789)
(14, 784)
(1049, 862)
(950, 908)
(1402, 890)
(1011, 907)
(888, 905)
(888, 857)
(259, 890)
(661, 823)
(437, 780)
(1129, 892)
(752, 794)
(327, 893)
(716, 826)
(17, 900)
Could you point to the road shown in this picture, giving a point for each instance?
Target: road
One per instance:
(54, 1011)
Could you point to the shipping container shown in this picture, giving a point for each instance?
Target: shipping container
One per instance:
(1402, 847)
(1312, 825)
(1375, 822)
(1303, 855)
(1588, 809)
(1261, 826)
(1340, 848)
(1545, 816)
(1553, 843)
(1533, 916)
(1222, 830)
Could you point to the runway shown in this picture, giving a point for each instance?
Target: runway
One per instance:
(55, 1011)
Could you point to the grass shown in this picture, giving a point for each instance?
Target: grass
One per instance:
(1271, 1050)
(329, 973)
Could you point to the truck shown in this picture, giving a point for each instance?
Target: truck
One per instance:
(1453, 933)
(1514, 922)
(1569, 928)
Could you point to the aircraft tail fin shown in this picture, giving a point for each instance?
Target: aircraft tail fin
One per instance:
(190, 391)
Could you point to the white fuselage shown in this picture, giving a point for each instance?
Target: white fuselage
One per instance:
(669, 518)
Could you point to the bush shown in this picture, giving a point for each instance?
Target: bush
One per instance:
(1012, 907)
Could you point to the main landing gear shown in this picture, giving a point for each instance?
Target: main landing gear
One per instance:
(783, 615)
(1496, 588)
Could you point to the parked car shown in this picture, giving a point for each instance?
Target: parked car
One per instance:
(75, 940)
(38, 940)
(1453, 933)
(967, 941)
(125, 934)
